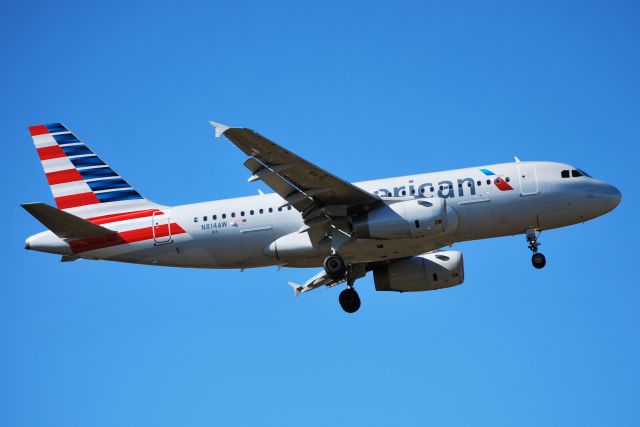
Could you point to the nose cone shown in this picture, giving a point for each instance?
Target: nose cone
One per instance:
(611, 196)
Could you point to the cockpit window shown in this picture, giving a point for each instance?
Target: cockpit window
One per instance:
(584, 173)
(565, 173)
(576, 173)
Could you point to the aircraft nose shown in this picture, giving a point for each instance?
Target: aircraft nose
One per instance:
(606, 194)
(612, 195)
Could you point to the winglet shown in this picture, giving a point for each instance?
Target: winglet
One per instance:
(516, 159)
(296, 288)
(219, 127)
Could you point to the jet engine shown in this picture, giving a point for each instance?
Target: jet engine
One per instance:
(411, 218)
(426, 272)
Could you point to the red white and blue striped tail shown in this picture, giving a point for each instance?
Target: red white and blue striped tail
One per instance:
(81, 182)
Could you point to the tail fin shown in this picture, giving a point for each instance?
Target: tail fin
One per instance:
(80, 181)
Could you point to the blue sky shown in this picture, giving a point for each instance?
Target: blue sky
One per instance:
(366, 90)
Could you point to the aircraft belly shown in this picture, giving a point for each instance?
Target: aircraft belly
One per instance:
(370, 250)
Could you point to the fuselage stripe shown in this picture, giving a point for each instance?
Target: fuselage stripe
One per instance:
(123, 216)
(124, 237)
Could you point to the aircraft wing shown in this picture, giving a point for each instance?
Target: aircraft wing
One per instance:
(310, 189)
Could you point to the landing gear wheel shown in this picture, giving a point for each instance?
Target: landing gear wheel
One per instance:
(538, 260)
(349, 300)
(334, 266)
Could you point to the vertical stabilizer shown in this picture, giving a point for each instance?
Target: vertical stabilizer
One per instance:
(81, 182)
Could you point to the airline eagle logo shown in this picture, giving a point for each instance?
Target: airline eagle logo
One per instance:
(498, 181)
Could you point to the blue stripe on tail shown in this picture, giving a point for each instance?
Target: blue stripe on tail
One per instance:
(117, 196)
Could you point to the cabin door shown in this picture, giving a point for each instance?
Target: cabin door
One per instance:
(528, 179)
(161, 227)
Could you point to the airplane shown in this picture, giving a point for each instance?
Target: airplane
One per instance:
(398, 228)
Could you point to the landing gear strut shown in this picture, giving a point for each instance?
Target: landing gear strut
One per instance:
(537, 259)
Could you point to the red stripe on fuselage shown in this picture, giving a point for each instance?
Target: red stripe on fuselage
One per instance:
(124, 237)
(38, 130)
(123, 216)
(75, 200)
(61, 177)
(53, 152)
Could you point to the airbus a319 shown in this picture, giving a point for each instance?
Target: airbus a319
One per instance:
(394, 227)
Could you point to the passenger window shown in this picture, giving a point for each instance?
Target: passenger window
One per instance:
(459, 185)
(564, 173)
(422, 190)
(575, 173)
(195, 219)
(450, 186)
(251, 212)
(479, 183)
(488, 182)
(469, 184)
(289, 207)
(270, 210)
(241, 213)
(224, 215)
(280, 209)
(441, 188)
(204, 218)
(507, 179)
(233, 214)
(413, 191)
(214, 217)
(431, 189)
(261, 211)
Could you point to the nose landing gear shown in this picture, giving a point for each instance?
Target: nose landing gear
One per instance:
(537, 259)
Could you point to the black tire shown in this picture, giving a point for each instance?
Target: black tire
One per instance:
(538, 260)
(349, 300)
(334, 266)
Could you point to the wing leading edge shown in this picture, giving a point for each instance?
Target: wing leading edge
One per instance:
(308, 188)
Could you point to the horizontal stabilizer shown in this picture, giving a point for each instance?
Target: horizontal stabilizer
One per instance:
(296, 288)
(64, 224)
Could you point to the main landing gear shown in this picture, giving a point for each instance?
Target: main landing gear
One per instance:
(349, 300)
(337, 269)
(537, 259)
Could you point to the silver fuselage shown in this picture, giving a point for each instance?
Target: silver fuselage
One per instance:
(233, 233)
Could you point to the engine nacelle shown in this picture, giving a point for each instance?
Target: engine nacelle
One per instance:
(421, 273)
(403, 220)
